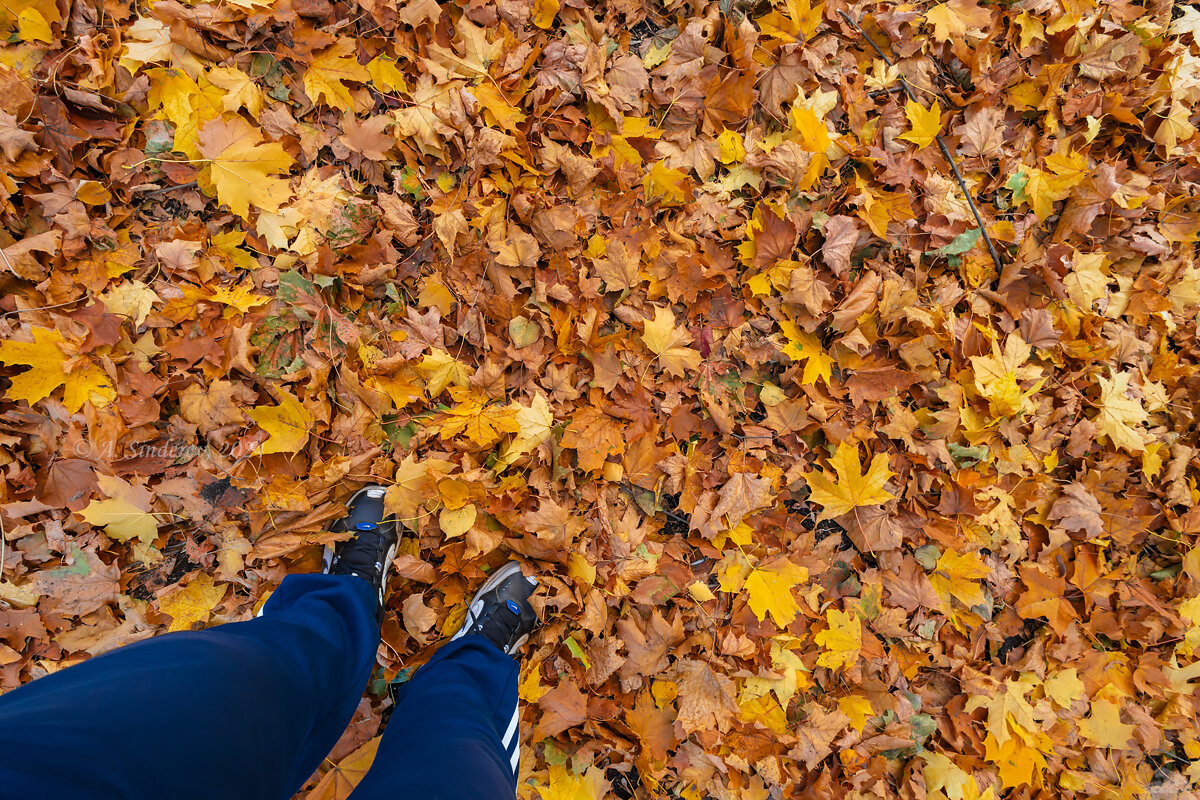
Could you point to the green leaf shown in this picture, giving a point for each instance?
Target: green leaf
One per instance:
(961, 244)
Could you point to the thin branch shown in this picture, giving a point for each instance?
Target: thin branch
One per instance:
(941, 146)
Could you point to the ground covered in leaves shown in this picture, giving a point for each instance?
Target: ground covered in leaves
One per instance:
(833, 492)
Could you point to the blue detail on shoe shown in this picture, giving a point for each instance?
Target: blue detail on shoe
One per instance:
(513, 607)
(365, 526)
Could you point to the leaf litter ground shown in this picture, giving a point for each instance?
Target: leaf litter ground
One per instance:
(682, 304)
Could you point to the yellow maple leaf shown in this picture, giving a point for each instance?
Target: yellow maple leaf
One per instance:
(769, 591)
(567, 785)
(534, 422)
(386, 75)
(240, 166)
(1104, 727)
(122, 520)
(955, 19)
(998, 377)
(83, 382)
(287, 423)
(501, 109)
(328, 69)
(1063, 687)
(849, 488)
(240, 298)
(858, 709)
(132, 299)
(731, 147)
(806, 347)
(842, 640)
(125, 514)
(668, 184)
(193, 603)
(667, 342)
(1120, 416)
(957, 576)
(242, 91)
(926, 123)
(480, 422)
(814, 136)
(440, 370)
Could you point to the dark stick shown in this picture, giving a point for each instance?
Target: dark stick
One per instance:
(941, 146)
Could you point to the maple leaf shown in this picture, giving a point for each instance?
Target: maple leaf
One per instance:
(742, 495)
(340, 782)
(956, 576)
(287, 423)
(83, 382)
(563, 784)
(926, 123)
(1120, 415)
(953, 20)
(842, 640)
(240, 166)
(534, 424)
(998, 377)
(666, 183)
(1103, 727)
(242, 91)
(594, 436)
(481, 422)
(327, 71)
(13, 139)
(769, 591)
(667, 342)
(849, 487)
(191, 603)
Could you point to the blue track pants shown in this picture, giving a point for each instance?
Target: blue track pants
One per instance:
(250, 709)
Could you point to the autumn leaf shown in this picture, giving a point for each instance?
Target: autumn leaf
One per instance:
(668, 342)
(327, 72)
(192, 603)
(287, 423)
(665, 183)
(769, 591)
(49, 369)
(1103, 727)
(240, 166)
(926, 123)
(849, 487)
(480, 422)
(954, 20)
(534, 424)
(1120, 415)
(841, 640)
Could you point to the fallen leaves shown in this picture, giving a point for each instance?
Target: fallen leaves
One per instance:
(686, 308)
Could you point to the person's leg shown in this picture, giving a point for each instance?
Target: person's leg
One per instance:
(454, 732)
(245, 710)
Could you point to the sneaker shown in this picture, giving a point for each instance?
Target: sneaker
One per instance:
(369, 554)
(500, 610)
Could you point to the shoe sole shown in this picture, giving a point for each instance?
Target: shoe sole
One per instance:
(496, 578)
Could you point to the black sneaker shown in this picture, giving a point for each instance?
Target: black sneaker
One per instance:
(369, 554)
(500, 610)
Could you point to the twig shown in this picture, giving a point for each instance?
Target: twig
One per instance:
(941, 146)
(164, 189)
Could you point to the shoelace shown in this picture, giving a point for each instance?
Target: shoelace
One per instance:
(507, 629)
